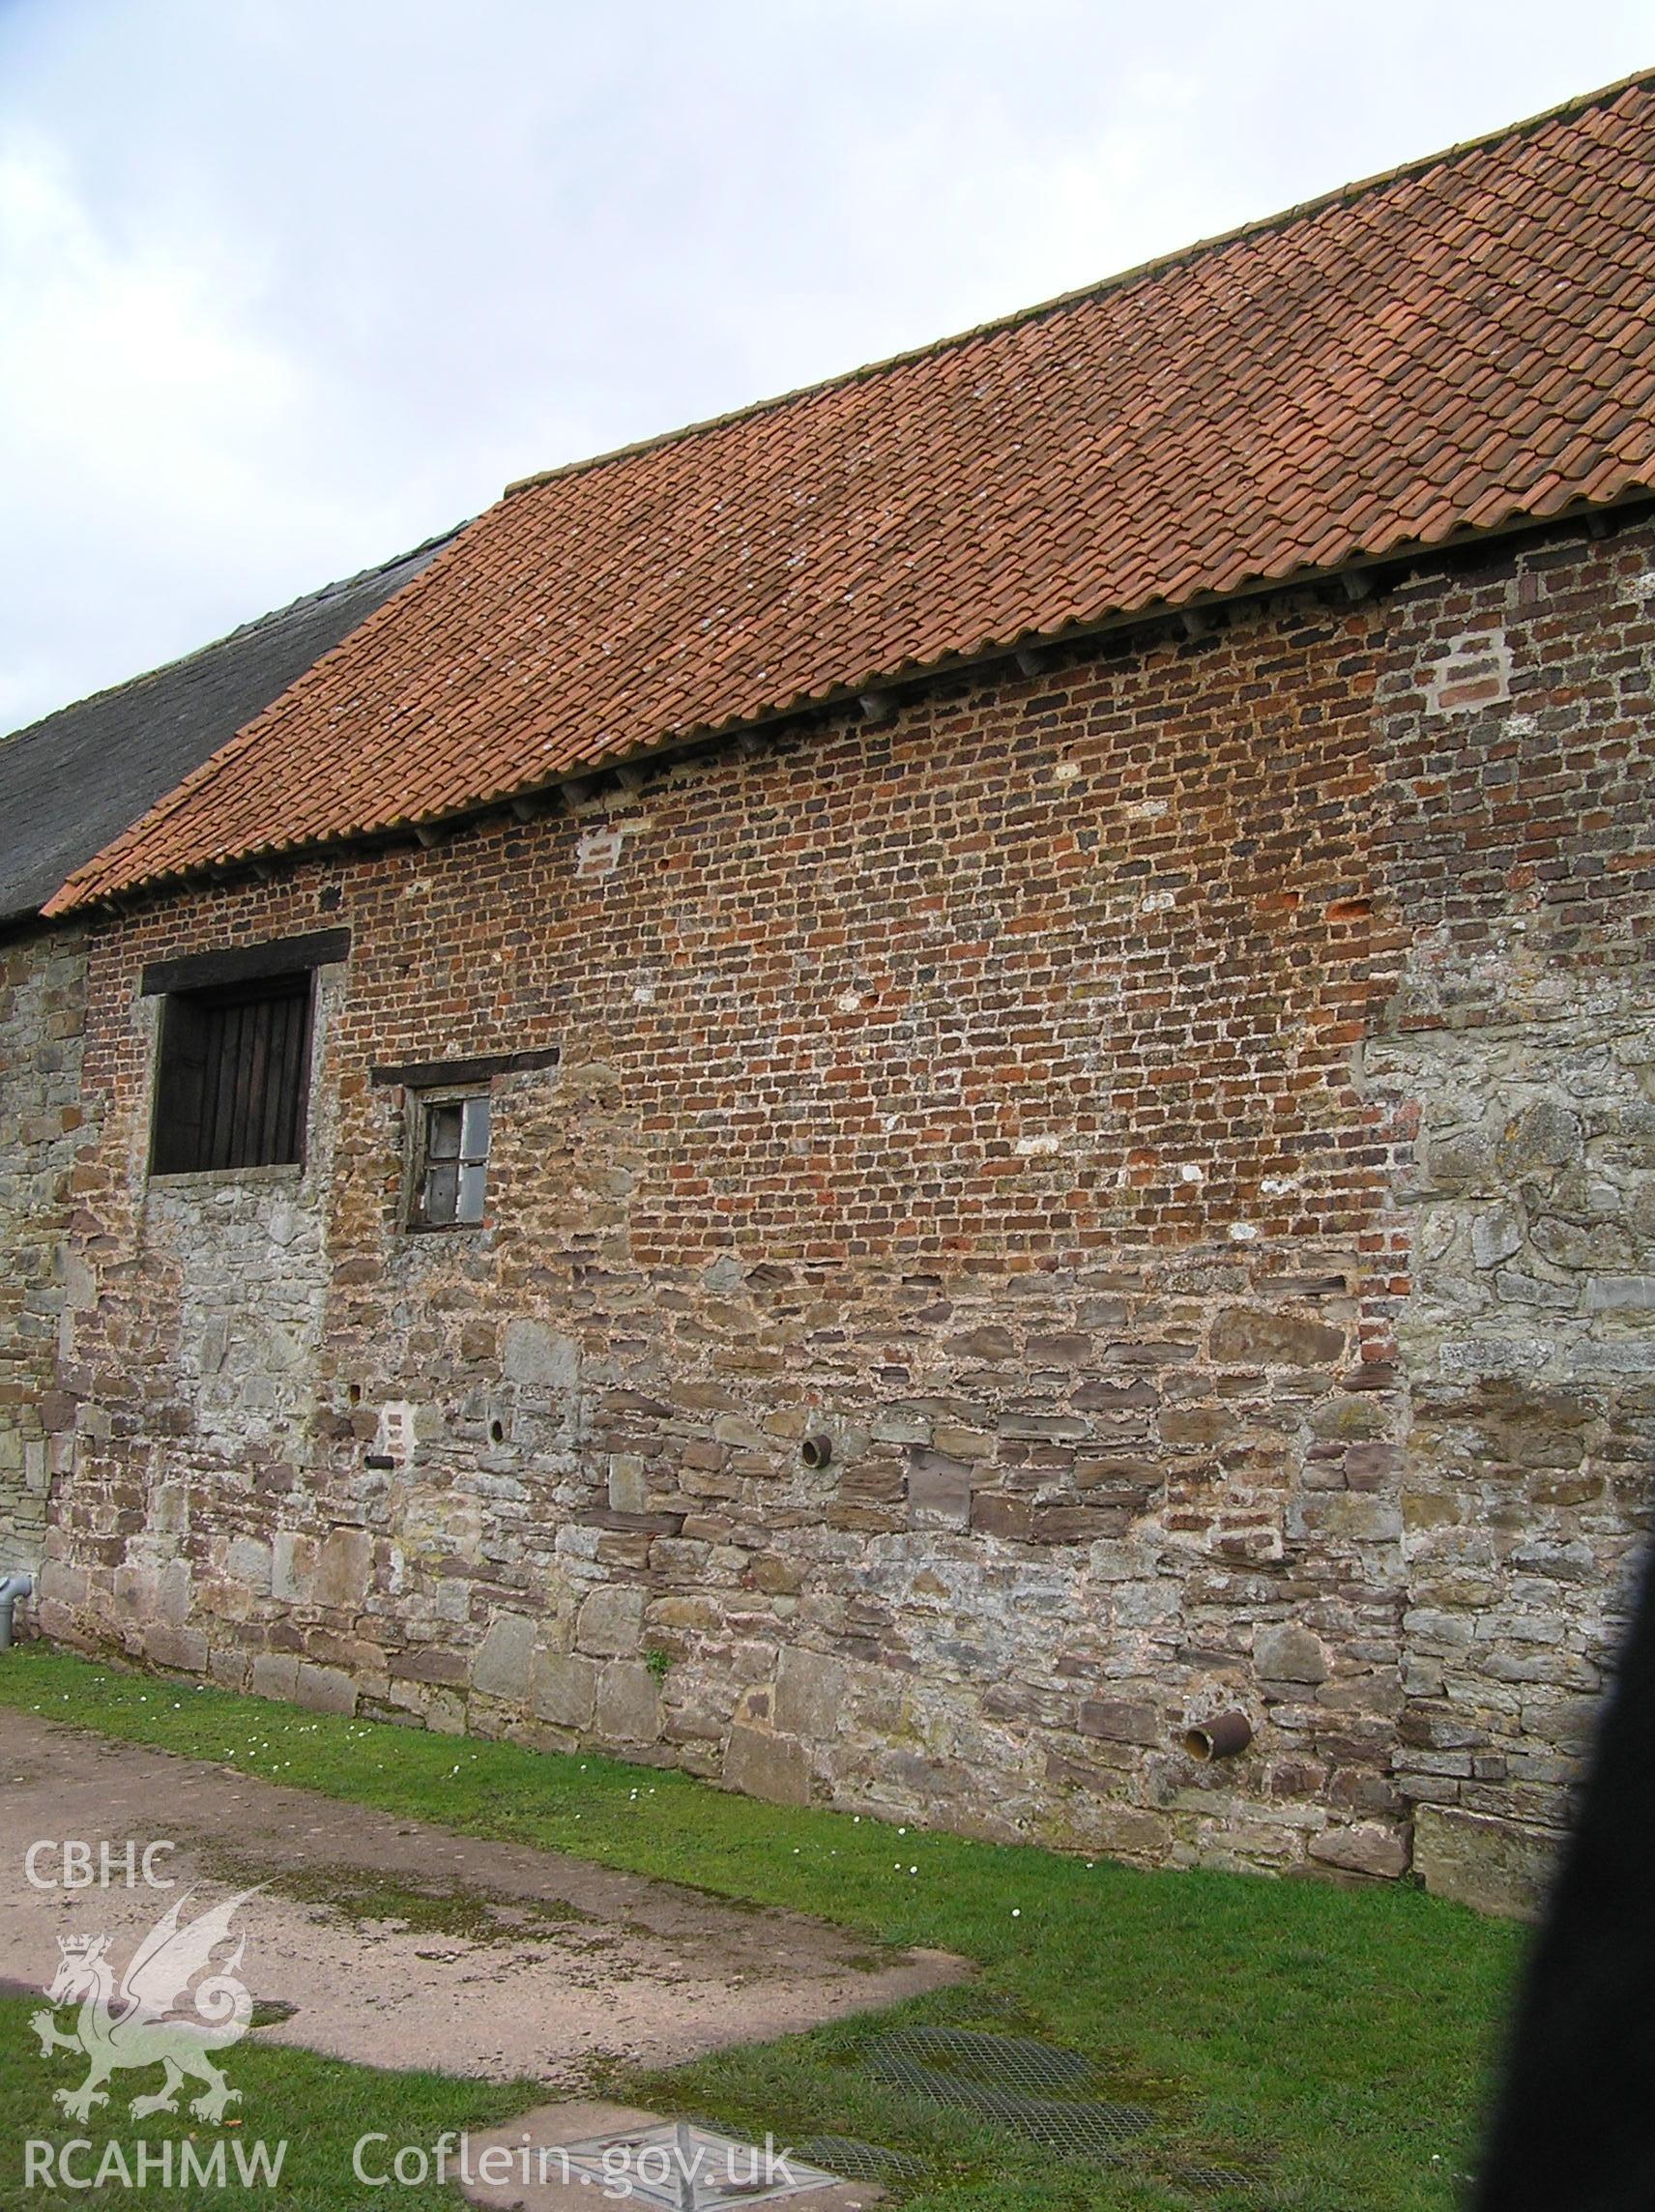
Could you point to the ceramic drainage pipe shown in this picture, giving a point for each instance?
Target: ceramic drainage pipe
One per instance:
(1225, 1737)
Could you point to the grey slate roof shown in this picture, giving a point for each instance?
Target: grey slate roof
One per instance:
(69, 783)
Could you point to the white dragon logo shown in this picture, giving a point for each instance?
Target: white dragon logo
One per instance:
(138, 2024)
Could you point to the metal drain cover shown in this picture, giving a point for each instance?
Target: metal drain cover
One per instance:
(686, 2169)
(995, 2078)
(862, 2161)
(1214, 2181)
(1002, 2061)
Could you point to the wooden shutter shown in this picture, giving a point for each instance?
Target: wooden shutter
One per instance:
(180, 1085)
(235, 1067)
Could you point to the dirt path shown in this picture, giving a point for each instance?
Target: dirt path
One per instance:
(402, 1944)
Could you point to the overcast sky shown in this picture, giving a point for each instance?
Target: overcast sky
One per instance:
(289, 285)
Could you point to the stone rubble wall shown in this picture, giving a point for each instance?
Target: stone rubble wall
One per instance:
(1049, 1099)
(189, 1346)
(43, 1128)
(1530, 1341)
(1514, 720)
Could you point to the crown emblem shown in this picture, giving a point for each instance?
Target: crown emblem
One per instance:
(83, 1949)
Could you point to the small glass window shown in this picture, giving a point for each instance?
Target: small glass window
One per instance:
(450, 1167)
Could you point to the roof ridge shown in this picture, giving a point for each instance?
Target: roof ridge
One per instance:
(1605, 96)
(243, 629)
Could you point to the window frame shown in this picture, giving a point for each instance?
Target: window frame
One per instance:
(424, 1102)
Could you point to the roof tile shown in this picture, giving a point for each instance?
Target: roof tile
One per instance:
(1462, 344)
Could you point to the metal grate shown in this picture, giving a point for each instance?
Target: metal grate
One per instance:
(1001, 2078)
(1214, 2181)
(855, 2161)
(1002, 2061)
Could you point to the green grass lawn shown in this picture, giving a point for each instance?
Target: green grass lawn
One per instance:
(1333, 2041)
(318, 2107)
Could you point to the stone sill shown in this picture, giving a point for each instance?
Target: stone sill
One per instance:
(226, 1179)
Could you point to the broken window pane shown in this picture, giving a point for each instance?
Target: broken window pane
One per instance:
(442, 1132)
(470, 1206)
(441, 1182)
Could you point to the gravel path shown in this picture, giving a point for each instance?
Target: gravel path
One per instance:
(401, 1944)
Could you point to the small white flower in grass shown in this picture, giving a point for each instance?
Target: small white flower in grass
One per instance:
(914, 1869)
(1017, 1912)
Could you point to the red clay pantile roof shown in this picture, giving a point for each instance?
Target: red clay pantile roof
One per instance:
(1456, 346)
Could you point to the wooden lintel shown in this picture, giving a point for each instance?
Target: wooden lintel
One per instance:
(441, 1074)
(244, 963)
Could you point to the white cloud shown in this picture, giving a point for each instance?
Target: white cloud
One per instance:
(147, 423)
(120, 364)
